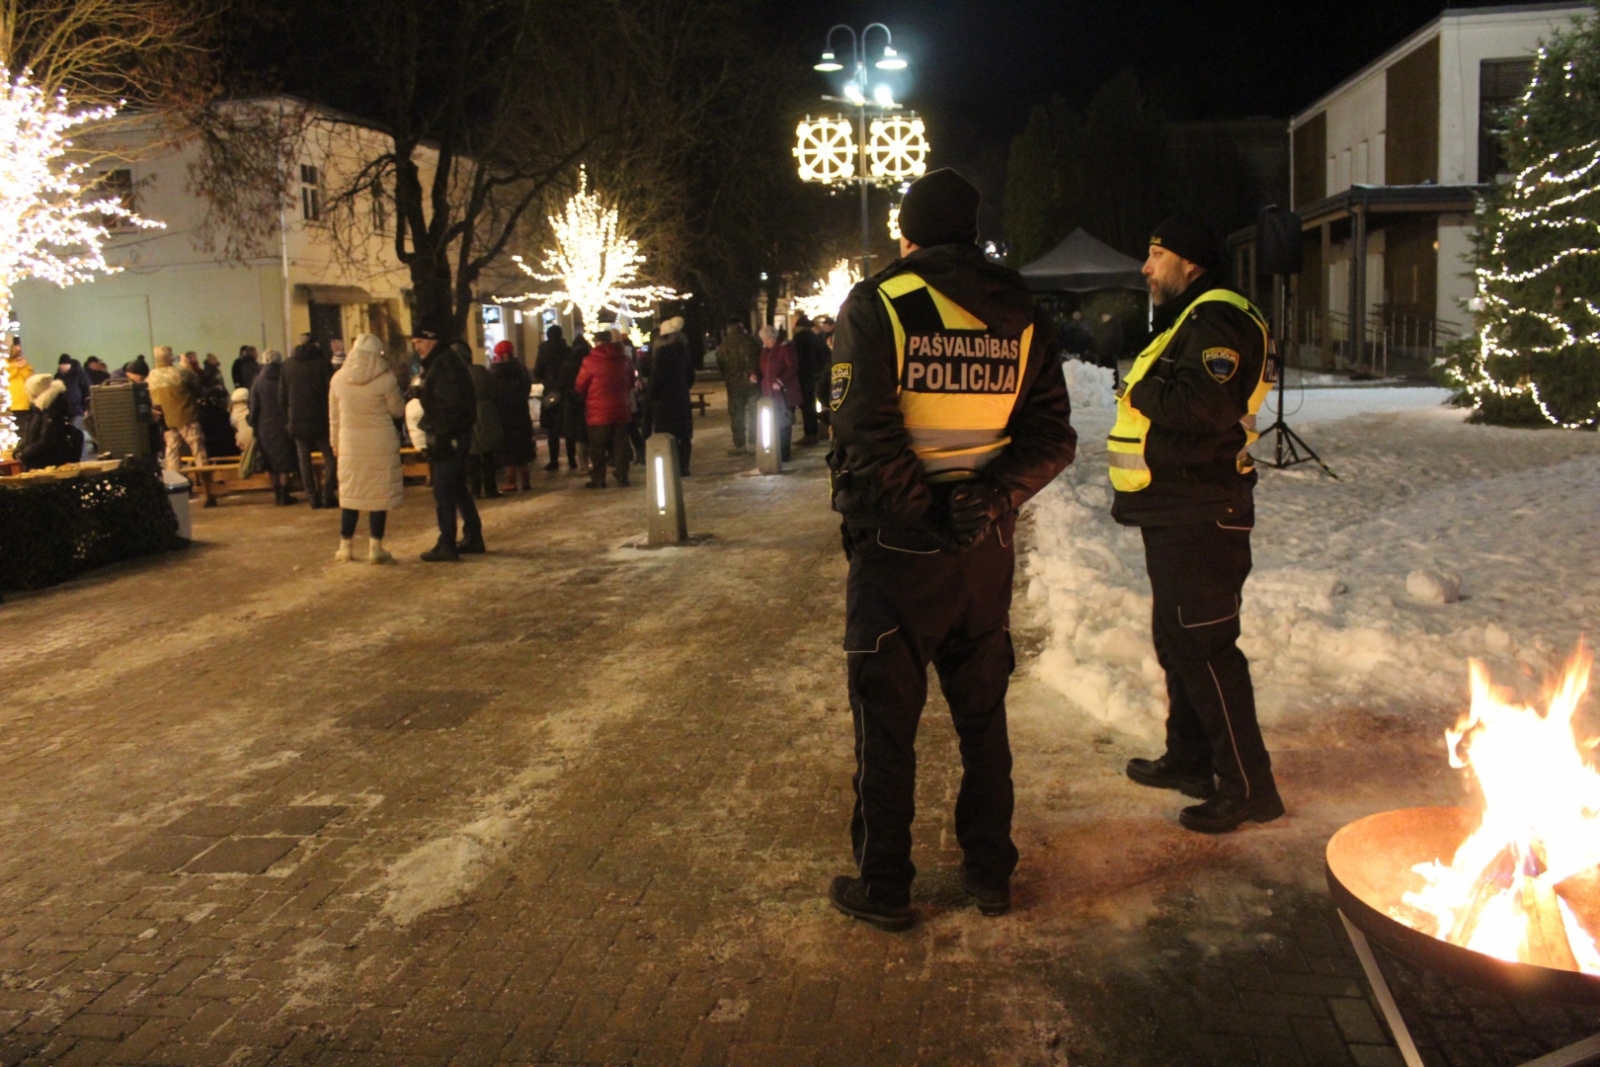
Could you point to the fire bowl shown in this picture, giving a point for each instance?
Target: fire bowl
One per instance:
(1369, 871)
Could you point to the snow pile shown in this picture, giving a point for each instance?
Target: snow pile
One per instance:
(1350, 603)
(1090, 387)
(1087, 574)
(1428, 586)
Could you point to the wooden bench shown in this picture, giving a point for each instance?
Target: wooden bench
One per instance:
(213, 480)
(699, 402)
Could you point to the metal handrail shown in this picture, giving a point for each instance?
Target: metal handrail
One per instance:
(1390, 331)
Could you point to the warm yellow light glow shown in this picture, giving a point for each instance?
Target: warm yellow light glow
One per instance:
(897, 149)
(593, 262)
(1502, 893)
(894, 222)
(826, 149)
(831, 293)
(51, 227)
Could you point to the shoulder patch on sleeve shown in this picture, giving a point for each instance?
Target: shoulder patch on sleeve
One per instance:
(840, 377)
(1220, 363)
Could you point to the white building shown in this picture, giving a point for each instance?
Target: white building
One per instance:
(1386, 169)
(178, 286)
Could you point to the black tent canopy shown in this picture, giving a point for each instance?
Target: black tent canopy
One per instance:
(1082, 264)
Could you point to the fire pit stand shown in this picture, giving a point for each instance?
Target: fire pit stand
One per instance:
(1369, 869)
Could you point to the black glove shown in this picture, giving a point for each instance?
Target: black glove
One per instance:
(974, 509)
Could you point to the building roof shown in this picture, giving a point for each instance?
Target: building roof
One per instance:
(1393, 200)
(1431, 29)
(1082, 264)
(1380, 200)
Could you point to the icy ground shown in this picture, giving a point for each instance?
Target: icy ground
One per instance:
(1328, 618)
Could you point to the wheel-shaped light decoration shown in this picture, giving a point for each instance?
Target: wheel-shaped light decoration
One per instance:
(897, 149)
(826, 149)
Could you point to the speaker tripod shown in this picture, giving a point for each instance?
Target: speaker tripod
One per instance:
(1289, 449)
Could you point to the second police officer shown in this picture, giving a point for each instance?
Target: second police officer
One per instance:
(949, 411)
(1182, 474)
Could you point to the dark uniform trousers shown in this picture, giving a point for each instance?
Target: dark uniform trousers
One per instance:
(1197, 575)
(909, 604)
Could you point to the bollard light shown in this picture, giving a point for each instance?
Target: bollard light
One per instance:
(669, 525)
(769, 458)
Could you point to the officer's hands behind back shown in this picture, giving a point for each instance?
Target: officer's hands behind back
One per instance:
(974, 508)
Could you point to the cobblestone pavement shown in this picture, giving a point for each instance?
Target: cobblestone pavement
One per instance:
(576, 803)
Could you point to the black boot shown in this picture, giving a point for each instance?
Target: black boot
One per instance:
(443, 552)
(850, 896)
(471, 544)
(990, 901)
(1162, 774)
(1221, 815)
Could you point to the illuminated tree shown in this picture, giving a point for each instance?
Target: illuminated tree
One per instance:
(1534, 357)
(50, 226)
(594, 263)
(830, 294)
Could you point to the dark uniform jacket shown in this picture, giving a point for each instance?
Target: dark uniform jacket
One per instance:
(878, 480)
(1194, 403)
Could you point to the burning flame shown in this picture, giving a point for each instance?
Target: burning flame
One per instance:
(1517, 885)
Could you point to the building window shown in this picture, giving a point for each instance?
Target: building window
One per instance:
(310, 192)
(116, 185)
(1501, 83)
(380, 209)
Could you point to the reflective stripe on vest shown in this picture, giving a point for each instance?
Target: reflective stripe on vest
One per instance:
(1129, 471)
(957, 380)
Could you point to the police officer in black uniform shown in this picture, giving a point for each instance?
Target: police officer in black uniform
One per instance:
(949, 411)
(1183, 475)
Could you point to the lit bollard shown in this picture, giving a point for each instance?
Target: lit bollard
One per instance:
(769, 454)
(663, 488)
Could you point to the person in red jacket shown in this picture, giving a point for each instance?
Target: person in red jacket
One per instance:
(605, 381)
(780, 380)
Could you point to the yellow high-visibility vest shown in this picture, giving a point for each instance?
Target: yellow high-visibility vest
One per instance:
(1129, 471)
(958, 380)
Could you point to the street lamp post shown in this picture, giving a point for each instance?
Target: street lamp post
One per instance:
(896, 149)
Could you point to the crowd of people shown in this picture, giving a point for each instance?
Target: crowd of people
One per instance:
(332, 426)
(792, 373)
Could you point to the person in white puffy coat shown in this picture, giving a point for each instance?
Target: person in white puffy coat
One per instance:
(239, 414)
(363, 402)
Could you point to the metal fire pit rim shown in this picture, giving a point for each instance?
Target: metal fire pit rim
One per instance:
(1432, 954)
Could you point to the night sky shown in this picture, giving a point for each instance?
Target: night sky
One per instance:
(977, 69)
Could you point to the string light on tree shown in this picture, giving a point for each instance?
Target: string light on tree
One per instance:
(897, 150)
(830, 294)
(595, 264)
(49, 227)
(826, 149)
(1535, 352)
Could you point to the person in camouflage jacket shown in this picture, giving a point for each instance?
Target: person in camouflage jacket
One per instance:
(737, 358)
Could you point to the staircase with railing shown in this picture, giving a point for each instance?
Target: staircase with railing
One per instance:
(1397, 342)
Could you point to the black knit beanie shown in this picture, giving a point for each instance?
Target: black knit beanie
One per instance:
(1190, 237)
(940, 208)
